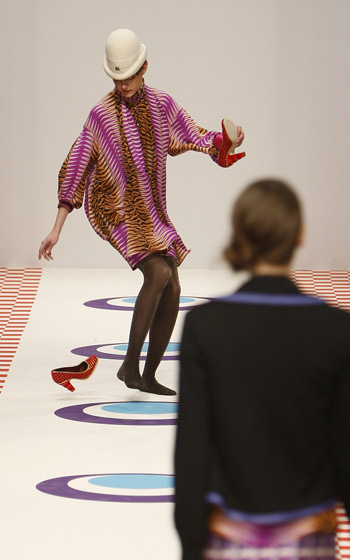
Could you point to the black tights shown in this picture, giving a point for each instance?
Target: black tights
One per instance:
(155, 312)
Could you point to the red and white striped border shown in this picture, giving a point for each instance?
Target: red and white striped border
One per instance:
(18, 289)
(331, 285)
(342, 540)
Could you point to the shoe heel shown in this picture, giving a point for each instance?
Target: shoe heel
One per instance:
(235, 157)
(67, 384)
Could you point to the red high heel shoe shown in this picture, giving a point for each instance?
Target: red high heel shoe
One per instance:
(227, 157)
(62, 376)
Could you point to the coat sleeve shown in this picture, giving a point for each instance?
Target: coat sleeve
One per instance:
(186, 135)
(193, 446)
(341, 437)
(75, 170)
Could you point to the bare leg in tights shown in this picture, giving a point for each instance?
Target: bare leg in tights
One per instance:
(155, 313)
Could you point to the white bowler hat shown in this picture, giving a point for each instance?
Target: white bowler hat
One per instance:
(125, 54)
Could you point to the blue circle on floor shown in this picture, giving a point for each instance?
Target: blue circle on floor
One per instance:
(134, 481)
(117, 351)
(173, 347)
(142, 408)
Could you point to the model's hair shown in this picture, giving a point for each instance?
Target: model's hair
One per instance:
(266, 220)
(141, 67)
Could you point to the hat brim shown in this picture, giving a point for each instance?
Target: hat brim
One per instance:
(131, 70)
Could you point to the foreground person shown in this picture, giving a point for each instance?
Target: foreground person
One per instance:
(118, 163)
(262, 453)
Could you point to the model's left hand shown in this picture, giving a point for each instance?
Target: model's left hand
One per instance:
(240, 136)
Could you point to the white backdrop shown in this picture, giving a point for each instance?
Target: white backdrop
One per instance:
(278, 67)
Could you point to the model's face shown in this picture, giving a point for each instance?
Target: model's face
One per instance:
(131, 85)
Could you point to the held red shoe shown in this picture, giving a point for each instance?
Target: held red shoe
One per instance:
(227, 157)
(62, 376)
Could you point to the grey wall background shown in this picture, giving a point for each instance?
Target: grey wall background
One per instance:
(278, 67)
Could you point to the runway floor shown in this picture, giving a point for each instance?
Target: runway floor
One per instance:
(89, 474)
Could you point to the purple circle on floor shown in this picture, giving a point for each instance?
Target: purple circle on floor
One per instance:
(127, 413)
(112, 487)
(127, 303)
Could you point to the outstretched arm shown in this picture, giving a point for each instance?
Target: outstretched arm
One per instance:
(50, 241)
(186, 135)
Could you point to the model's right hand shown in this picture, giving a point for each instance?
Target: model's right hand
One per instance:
(46, 246)
(240, 136)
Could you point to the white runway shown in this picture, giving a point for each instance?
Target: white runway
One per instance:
(89, 475)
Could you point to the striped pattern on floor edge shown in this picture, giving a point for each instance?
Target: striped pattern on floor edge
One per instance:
(331, 285)
(342, 540)
(18, 289)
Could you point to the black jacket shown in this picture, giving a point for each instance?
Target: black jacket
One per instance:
(264, 410)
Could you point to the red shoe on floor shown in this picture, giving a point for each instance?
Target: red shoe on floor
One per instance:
(227, 157)
(62, 376)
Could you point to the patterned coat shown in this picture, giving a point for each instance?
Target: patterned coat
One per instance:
(119, 163)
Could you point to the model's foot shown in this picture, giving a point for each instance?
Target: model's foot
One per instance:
(131, 379)
(152, 386)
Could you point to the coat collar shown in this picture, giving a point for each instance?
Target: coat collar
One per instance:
(270, 284)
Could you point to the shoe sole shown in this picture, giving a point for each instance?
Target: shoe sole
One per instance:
(231, 131)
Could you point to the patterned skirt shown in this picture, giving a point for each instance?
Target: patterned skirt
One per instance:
(317, 546)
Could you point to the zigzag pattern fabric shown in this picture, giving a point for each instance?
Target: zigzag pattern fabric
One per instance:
(119, 164)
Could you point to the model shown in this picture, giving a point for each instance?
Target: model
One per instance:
(117, 169)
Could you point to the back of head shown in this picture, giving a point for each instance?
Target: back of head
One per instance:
(266, 220)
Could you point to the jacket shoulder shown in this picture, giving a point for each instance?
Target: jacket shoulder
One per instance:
(204, 310)
(102, 107)
(166, 102)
